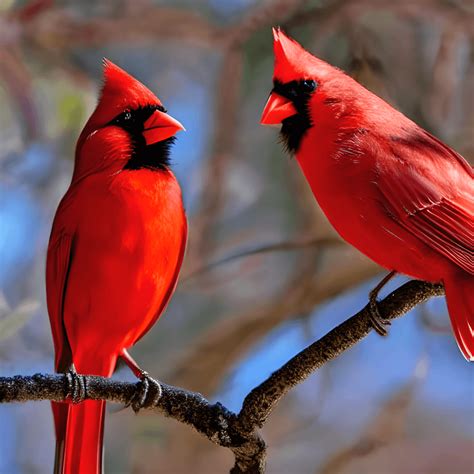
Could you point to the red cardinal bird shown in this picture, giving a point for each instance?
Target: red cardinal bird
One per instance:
(392, 190)
(115, 251)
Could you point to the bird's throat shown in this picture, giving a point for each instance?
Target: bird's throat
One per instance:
(155, 157)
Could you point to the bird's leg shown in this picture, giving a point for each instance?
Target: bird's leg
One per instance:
(149, 390)
(76, 385)
(376, 319)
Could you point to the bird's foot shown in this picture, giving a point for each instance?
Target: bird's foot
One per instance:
(76, 386)
(148, 393)
(378, 323)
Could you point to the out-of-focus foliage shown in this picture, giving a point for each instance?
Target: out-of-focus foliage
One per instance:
(401, 404)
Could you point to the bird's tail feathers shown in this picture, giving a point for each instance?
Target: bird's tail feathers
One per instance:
(460, 299)
(79, 437)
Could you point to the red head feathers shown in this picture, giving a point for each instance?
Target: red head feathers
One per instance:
(293, 62)
(121, 92)
(296, 73)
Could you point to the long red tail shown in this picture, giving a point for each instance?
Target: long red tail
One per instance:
(80, 428)
(79, 437)
(60, 411)
(460, 298)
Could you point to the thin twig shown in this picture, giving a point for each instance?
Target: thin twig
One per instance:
(284, 246)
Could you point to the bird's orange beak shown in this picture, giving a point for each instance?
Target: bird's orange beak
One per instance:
(159, 127)
(277, 109)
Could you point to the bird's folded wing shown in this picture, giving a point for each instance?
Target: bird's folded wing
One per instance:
(57, 269)
(437, 214)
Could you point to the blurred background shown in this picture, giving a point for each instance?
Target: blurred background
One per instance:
(400, 404)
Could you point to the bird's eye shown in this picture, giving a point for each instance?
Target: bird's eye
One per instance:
(123, 118)
(309, 85)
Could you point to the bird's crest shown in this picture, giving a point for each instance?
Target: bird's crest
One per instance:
(120, 91)
(293, 62)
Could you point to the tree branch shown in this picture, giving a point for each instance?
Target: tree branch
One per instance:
(260, 402)
(216, 422)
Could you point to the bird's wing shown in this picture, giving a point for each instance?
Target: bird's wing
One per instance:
(58, 265)
(429, 190)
